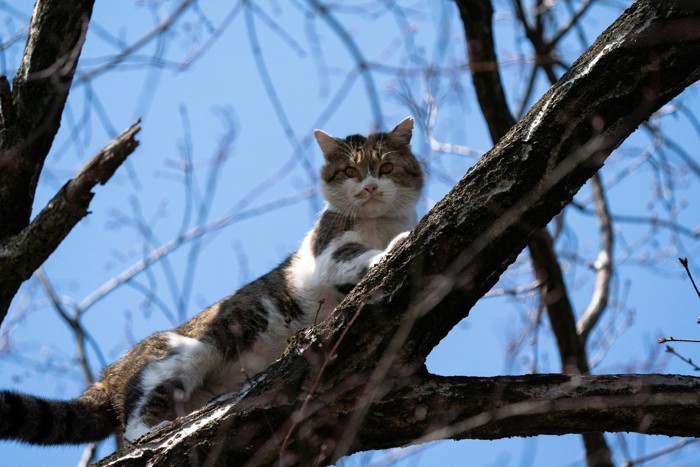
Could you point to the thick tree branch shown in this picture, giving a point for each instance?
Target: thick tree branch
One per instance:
(23, 253)
(501, 407)
(435, 407)
(477, 17)
(375, 342)
(40, 89)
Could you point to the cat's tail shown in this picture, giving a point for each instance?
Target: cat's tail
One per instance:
(35, 420)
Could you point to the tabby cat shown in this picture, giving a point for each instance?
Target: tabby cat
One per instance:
(371, 184)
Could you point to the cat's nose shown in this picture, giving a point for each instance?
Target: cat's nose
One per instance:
(371, 187)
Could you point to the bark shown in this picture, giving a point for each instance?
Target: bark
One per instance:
(30, 116)
(31, 112)
(317, 403)
(494, 408)
(477, 20)
(22, 254)
(430, 408)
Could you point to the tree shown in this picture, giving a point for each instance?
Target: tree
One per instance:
(358, 380)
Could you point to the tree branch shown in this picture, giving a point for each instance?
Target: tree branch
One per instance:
(477, 17)
(23, 253)
(501, 407)
(603, 265)
(40, 89)
(438, 407)
(478, 28)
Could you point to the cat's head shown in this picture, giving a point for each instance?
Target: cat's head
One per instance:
(371, 176)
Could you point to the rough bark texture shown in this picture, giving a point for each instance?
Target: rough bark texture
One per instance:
(427, 409)
(22, 254)
(320, 400)
(30, 116)
(40, 89)
(477, 19)
(492, 408)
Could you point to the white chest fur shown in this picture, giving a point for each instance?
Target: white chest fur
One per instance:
(315, 279)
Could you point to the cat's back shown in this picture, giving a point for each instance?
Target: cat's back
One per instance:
(255, 309)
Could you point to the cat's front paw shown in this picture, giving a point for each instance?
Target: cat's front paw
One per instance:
(397, 240)
(392, 244)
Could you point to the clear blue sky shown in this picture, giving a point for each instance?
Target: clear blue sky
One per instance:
(186, 113)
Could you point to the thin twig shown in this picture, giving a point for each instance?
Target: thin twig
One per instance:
(684, 262)
(661, 452)
(673, 339)
(689, 361)
(73, 322)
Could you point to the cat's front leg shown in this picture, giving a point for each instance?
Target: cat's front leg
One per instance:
(392, 244)
(353, 260)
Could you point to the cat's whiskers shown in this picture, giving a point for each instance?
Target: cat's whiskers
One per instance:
(384, 154)
(346, 150)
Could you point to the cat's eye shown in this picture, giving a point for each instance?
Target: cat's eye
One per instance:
(386, 168)
(351, 172)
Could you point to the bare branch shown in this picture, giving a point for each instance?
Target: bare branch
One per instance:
(22, 254)
(73, 323)
(436, 407)
(40, 90)
(128, 51)
(603, 265)
(661, 452)
(360, 62)
(684, 262)
(673, 351)
(161, 251)
(674, 339)
(573, 21)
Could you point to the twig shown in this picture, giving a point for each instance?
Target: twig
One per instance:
(653, 222)
(360, 62)
(73, 322)
(574, 21)
(273, 95)
(673, 339)
(661, 452)
(684, 262)
(689, 361)
(158, 253)
(160, 29)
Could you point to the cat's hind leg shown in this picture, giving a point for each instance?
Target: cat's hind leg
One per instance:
(163, 389)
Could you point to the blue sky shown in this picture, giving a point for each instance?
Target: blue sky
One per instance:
(265, 187)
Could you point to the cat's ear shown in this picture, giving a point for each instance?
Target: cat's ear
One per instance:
(328, 144)
(401, 134)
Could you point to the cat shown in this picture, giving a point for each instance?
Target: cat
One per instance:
(371, 185)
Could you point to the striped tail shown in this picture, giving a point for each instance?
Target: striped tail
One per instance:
(43, 421)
